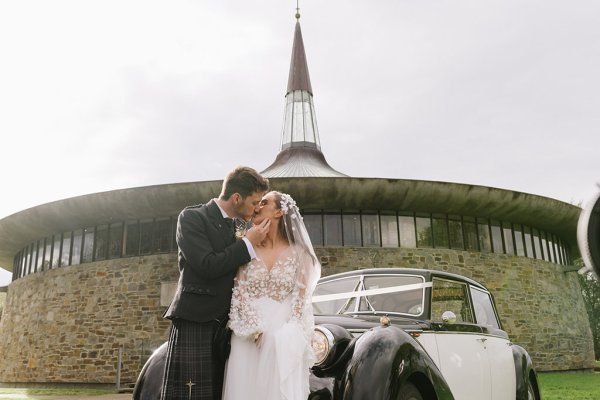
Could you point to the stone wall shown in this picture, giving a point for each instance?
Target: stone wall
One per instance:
(67, 325)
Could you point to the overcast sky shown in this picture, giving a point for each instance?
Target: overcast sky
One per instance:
(103, 95)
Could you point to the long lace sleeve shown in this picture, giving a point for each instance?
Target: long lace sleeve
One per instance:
(306, 277)
(244, 320)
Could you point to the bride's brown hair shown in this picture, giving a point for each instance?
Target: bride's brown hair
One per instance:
(285, 219)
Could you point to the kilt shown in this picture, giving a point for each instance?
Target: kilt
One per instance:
(191, 370)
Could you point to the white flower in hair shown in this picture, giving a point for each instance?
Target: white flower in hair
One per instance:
(287, 203)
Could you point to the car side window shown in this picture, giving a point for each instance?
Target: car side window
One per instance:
(484, 309)
(452, 296)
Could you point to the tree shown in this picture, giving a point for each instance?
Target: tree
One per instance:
(591, 297)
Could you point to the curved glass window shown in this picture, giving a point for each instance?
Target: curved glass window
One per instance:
(370, 229)
(332, 229)
(519, 242)
(497, 243)
(455, 232)
(507, 234)
(439, 226)
(76, 252)
(483, 231)
(353, 228)
(56, 251)
(389, 230)
(406, 226)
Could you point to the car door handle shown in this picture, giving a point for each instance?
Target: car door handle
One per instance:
(482, 340)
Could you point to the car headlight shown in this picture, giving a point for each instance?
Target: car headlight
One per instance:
(322, 343)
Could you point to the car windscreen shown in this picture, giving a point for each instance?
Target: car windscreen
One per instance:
(404, 298)
(403, 301)
(342, 285)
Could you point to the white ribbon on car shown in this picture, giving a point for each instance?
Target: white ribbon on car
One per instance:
(370, 292)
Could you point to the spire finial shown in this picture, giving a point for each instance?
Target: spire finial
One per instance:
(298, 10)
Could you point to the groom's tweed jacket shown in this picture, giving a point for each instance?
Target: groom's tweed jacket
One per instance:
(209, 257)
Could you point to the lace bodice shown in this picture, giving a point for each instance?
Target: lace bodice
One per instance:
(287, 277)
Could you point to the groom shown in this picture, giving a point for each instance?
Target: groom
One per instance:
(209, 256)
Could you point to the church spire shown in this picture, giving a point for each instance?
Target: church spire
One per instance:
(300, 153)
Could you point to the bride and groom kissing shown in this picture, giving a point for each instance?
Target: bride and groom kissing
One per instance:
(256, 284)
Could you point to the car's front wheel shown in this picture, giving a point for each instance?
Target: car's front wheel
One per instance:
(409, 392)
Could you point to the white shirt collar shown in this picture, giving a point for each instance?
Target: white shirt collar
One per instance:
(225, 215)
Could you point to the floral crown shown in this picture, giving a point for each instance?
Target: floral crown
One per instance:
(287, 203)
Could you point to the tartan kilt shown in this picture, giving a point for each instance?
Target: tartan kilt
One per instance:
(191, 370)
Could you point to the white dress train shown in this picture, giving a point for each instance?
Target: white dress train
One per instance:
(275, 302)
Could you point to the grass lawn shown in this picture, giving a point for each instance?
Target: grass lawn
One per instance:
(554, 386)
(570, 386)
(34, 393)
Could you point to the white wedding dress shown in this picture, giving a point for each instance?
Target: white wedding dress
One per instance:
(275, 302)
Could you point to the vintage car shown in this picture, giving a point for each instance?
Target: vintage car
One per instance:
(414, 334)
(403, 334)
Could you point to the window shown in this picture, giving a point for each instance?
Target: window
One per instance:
(24, 262)
(87, 254)
(470, 233)
(508, 238)
(497, 246)
(101, 243)
(520, 246)
(146, 233)
(528, 242)
(162, 235)
(450, 296)
(403, 302)
(56, 251)
(65, 258)
(455, 232)
(132, 239)
(342, 285)
(483, 232)
(76, 253)
(424, 233)
(389, 230)
(352, 231)
(314, 227)
(370, 230)
(332, 229)
(556, 250)
(33, 256)
(440, 231)
(545, 246)
(40, 255)
(551, 248)
(115, 240)
(407, 231)
(47, 254)
(484, 309)
(536, 244)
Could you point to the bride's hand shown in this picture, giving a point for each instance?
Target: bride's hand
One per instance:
(257, 233)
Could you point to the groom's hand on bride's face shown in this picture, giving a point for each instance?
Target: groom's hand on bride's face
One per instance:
(257, 233)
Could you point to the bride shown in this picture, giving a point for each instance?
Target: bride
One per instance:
(271, 312)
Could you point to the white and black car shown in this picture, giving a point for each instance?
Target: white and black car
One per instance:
(402, 334)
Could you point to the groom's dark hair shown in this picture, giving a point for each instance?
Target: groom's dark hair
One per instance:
(245, 181)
